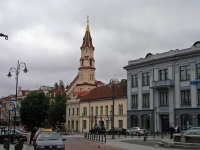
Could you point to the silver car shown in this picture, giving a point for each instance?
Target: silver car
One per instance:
(136, 131)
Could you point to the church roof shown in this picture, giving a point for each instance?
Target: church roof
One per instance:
(87, 39)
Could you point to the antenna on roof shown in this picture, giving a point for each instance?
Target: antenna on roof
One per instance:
(87, 19)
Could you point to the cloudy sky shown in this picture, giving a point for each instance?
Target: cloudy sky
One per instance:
(47, 35)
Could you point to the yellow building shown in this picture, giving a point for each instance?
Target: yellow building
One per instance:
(96, 107)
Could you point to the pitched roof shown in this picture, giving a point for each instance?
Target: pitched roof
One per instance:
(81, 93)
(87, 40)
(106, 92)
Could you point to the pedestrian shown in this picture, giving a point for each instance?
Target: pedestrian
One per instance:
(32, 134)
(171, 131)
(177, 130)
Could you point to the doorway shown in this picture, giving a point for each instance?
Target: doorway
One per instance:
(165, 123)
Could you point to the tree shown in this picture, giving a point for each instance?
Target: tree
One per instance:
(56, 86)
(61, 85)
(34, 109)
(57, 109)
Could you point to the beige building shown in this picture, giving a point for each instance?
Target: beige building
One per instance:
(96, 107)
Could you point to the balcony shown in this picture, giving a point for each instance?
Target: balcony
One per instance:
(162, 84)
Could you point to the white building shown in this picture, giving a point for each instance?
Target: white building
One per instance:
(164, 89)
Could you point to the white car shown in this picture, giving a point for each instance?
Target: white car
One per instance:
(136, 131)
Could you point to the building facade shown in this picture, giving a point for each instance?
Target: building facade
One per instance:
(164, 89)
(96, 108)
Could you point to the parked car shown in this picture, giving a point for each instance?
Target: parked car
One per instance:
(137, 131)
(18, 135)
(192, 128)
(116, 131)
(49, 140)
(98, 130)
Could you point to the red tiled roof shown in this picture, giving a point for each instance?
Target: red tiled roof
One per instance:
(81, 93)
(106, 92)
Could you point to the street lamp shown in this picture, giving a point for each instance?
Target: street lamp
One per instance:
(6, 37)
(16, 70)
(112, 83)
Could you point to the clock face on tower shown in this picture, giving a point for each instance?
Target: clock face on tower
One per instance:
(10, 106)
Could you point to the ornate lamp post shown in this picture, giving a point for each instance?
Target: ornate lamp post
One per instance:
(6, 37)
(112, 83)
(16, 70)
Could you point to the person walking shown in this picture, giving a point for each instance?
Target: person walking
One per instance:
(32, 134)
(171, 131)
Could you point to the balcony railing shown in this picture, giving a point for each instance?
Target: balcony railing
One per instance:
(162, 84)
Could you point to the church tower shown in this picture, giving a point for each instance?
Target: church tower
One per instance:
(86, 74)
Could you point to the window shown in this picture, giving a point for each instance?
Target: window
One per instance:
(85, 111)
(198, 70)
(136, 80)
(144, 79)
(90, 62)
(77, 111)
(145, 99)
(164, 99)
(84, 124)
(101, 110)
(133, 80)
(163, 74)
(92, 111)
(72, 111)
(120, 123)
(148, 78)
(91, 77)
(96, 111)
(198, 96)
(134, 101)
(185, 97)
(185, 73)
(120, 109)
(69, 112)
(82, 62)
(107, 110)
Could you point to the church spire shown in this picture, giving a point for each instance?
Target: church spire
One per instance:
(87, 40)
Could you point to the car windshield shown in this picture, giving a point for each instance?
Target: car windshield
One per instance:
(48, 136)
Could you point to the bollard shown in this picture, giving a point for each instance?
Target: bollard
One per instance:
(162, 135)
(144, 136)
(154, 135)
(118, 134)
(132, 134)
(125, 134)
(139, 134)
(105, 138)
(94, 136)
(99, 137)
(6, 144)
(90, 136)
(102, 137)
(86, 135)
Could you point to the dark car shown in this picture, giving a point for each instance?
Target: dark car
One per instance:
(49, 140)
(98, 130)
(116, 131)
(18, 135)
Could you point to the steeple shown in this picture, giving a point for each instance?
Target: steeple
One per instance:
(87, 40)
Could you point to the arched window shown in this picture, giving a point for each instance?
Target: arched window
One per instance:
(186, 121)
(82, 62)
(90, 62)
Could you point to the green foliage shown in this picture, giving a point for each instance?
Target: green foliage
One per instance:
(56, 86)
(57, 109)
(34, 108)
(60, 85)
